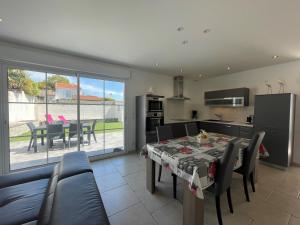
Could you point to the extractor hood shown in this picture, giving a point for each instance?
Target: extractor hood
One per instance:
(178, 89)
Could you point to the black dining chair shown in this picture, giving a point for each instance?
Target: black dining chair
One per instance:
(223, 176)
(33, 135)
(73, 133)
(92, 131)
(55, 132)
(191, 129)
(165, 133)
(249, 158)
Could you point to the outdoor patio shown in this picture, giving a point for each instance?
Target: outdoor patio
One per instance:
(20, 157)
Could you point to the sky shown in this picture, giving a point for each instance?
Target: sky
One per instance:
(89, 86)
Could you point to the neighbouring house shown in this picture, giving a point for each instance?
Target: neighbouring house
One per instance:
(65, 91)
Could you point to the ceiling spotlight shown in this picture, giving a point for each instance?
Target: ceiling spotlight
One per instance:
(185, 42)
(181, 70)
(275, 57)
(200, 75)
(1, 20)
(180, 28)
(206, 31)
(156, 64)
(228, 68)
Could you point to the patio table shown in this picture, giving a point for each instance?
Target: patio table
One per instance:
(195, 163)
(43, 128)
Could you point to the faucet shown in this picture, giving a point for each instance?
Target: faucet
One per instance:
(220, 116)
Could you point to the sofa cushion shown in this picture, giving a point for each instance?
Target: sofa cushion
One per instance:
(72, 164)
(77, 201)
(21, 203)
(25, 176)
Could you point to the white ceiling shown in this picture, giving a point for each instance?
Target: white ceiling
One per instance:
(244, 34)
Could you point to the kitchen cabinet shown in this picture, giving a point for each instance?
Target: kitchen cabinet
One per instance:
(228, 129)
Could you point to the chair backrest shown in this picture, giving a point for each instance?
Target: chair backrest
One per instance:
(225, 167)
(31, 126)
(179, 130)
(191, 129)
(63, 119)
(164, 133)
(54, 130)
(73, 129)
(251, 152)
(49, 118)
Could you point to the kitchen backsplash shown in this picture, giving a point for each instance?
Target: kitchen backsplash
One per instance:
(233, 114)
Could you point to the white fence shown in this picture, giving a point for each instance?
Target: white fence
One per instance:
(21, 112)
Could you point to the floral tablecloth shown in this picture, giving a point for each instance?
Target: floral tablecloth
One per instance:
(192, 161)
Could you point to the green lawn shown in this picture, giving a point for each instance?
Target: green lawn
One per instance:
(100, 127)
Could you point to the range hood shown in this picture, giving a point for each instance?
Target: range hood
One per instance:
(178, 89)
(238, 97)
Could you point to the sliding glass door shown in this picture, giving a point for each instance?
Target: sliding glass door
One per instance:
(102, 106)
(52, 114)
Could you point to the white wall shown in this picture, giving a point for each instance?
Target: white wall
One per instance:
(255, 80)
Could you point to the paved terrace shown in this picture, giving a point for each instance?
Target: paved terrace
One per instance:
(21, 158)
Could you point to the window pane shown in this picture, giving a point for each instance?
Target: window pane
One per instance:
(114, 116)
(92, 114)
(62, 116)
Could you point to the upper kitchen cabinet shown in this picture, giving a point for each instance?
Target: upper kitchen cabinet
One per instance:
(237, 97)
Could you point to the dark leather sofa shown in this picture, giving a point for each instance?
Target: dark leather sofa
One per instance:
(64, 194)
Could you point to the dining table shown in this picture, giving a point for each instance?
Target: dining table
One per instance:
(193, 161)
(42, 128)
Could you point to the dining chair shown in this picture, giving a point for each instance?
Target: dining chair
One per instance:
(55, 132)
(49, 119)
(191, 129)
(33, 135)
(249, 159)
(179, 130)
(73, 133)
(224, 176)
(165, 133)
(93, 130)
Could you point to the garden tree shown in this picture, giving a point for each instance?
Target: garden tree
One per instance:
(19, 80)
(56, 79)
(16, 79)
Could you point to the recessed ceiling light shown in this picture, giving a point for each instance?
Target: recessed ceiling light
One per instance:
(228, 68)
(1, 20)
(180, 28)
(185, 42)
(200, 75)
(156, 64)
(206, 31)
(275, 57)
(181, 70)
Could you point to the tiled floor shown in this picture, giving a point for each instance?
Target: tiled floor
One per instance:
(122, 180)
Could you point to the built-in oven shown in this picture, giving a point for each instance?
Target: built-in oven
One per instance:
(153, 120)
(154, 105)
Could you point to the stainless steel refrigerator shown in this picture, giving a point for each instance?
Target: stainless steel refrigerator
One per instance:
(274, 114)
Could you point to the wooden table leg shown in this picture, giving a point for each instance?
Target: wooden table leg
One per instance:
(193, 207)
(150, 175)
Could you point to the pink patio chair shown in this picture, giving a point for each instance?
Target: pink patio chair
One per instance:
(63, 119)
(49, 119)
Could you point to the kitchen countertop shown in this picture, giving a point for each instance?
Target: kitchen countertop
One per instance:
(170, 121)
